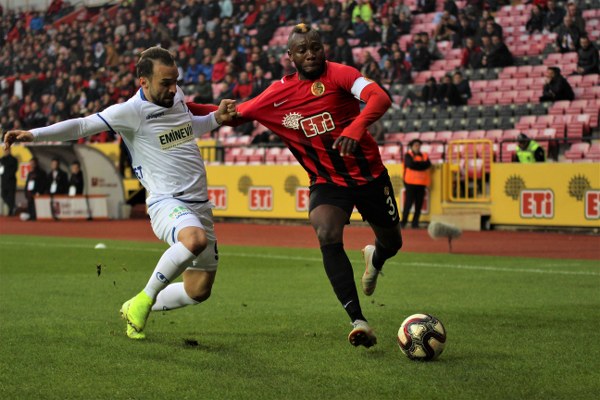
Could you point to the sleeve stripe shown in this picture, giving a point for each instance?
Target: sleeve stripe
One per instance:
(107, 124)
(359, 85)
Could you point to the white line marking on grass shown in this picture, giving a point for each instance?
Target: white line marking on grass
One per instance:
(317, 259)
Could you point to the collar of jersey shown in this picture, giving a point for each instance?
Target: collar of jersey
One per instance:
(142, 95)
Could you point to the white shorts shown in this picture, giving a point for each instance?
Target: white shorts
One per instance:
(169, 216)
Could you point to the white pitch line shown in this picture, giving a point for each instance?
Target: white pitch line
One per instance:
(317, 259)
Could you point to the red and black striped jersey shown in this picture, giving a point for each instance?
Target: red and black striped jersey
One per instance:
(309, 115)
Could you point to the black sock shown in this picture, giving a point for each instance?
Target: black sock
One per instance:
(381, 254)
(340, 274)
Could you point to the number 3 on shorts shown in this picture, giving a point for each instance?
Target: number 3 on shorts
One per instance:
(390, 203)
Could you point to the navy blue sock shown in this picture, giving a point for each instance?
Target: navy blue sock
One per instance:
(340, 274)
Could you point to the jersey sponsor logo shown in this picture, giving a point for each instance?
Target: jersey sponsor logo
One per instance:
(537, 203)
(155, 115)
(179, 212)
(592, 204)
(317, 124)
(317, 88)
(292, 120)
(260, 198)
(302, 198)
(176, 136)
(218, 196)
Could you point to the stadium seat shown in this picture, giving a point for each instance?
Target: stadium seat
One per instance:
(577, 151)
(478, 134)
(494, 134)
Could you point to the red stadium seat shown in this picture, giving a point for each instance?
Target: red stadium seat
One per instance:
(443, 136)
(577, 151)
(494, 134)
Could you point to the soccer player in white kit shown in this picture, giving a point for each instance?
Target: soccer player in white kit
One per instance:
(158, 130)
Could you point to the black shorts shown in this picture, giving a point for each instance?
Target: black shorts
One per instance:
(375, 201)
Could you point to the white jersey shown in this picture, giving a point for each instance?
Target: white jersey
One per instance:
(165, 157)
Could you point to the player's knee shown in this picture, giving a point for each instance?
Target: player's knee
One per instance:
(194, 240)
(328, 235)
(199, 293)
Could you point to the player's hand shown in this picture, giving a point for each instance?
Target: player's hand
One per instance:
(226, 112)
(345, 145)
(16, 136)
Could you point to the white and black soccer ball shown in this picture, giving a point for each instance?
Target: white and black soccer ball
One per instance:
(422, 337)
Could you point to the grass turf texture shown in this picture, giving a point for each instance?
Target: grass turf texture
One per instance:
(517, 328)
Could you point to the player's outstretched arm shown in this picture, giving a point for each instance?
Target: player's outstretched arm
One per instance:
(226, 112)
(378, 103)
(16, 136)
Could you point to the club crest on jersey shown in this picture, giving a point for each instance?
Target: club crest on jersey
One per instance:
(317, 88)
(176, 136)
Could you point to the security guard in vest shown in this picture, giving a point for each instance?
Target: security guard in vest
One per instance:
(528, 151)
(416, 180)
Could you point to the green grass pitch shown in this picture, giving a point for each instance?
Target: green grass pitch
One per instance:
(518, 328)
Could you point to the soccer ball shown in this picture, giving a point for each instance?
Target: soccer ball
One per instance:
(422, 337)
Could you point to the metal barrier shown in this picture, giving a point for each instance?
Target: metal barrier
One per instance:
(467, 171)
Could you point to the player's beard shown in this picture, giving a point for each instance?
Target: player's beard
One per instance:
(311, 75)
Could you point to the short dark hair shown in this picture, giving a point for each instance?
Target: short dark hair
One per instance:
(302, 29)
(145, 65)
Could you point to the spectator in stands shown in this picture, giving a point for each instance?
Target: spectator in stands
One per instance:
(464, 29)
(471, 55)
(362, 10)
(34, 185)
(430, 45)
(420, 58)
(389, 33)
(576, 16)
(528, 151)
(370, 68)
(492, 28)
(202, 90)
(499, 56)
(372, 35)
(556, 87)
(360, 30)
(463, 88)
(568, 35)
(191, 73)
(243, 87)
(259, 82)
(274, 67)
(451, 7)
(535, 23)
(447, 27)
(343, 27)
(403, 67)
(9, 165)
(58, 182)
(342, 53)
(403, 24)
(76, 182)
(554, 16)
(447, 92)
(587, 57)
(428, 94)
(416, 180)
(425, 6)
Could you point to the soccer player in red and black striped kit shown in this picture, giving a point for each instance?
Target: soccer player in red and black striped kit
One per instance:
(316, 112)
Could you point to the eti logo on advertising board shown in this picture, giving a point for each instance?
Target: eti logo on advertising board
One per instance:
(218, 196)
(302, 198)
(260, 198)
(592, 204)
(537, 203)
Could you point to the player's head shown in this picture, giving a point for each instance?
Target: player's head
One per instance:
(158, 74)
(305, 50)
(75, 167)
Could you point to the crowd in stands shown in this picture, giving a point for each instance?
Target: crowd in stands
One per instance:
(53, 71)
